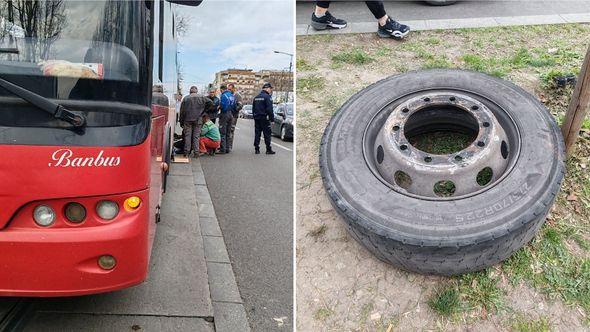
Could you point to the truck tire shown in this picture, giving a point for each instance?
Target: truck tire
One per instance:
(409, 226)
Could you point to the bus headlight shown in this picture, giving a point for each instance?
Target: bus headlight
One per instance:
(107, 210)
(44, 215)
(75, 212)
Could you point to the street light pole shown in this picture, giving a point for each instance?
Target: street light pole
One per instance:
(291, 62)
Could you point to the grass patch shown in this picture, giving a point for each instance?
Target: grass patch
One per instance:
(322, 314)
(481, 291)
(521, 324)
(437, 62)
(304, 65)
(354, 57)
(492, 66)
(551, 267)
(477, 293)
(309, 83)
(441, 142)
(445, 301)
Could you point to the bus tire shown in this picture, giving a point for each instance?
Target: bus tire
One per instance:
(451, 235)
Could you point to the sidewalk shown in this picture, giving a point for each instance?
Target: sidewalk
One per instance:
(191, 285)
(464, 14)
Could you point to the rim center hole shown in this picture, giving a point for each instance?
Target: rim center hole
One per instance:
(441, 129)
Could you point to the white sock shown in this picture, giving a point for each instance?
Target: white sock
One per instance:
(321, 15)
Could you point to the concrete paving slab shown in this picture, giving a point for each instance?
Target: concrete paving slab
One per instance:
(574, 18)
(202, 193)
(198, 176)
(206, 210)
(210, 227)
(49, 322)
(177, 284)
(530, 20)
(215, 250)
(223, 283)
(230, 317)
(181, 169)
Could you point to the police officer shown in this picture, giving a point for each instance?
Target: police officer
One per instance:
(263, 117)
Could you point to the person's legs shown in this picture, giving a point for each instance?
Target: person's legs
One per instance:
(267, 136)
(206, 144)
(196, 138)
(257, 132)
(234, 122)
(321, 18)
(377, 9)
(187, 131)
(224, 128)
(387, 28)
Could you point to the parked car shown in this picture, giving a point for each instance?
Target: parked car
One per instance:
(246, 112)
(283, 125)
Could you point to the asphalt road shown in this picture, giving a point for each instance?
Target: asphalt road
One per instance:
(253, 199)
(356, 11)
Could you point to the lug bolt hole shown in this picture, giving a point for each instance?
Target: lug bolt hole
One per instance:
(427, 159)
(405, 110)
(475, 107)
(481, 144)
(427, 99)
(395, 128)
(452, 98)
(403, 147)
(486, 124)
(458, 158)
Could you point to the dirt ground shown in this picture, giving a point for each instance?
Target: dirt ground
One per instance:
(342, 287)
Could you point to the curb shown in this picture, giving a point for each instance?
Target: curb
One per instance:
(228, 307)
(459, 23)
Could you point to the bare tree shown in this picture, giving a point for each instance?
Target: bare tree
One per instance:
(183, 22)
(41, 21)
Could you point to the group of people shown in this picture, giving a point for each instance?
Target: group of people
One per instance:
(198, 116)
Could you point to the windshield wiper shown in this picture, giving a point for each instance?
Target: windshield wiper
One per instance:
(57, 110)
(9, 50)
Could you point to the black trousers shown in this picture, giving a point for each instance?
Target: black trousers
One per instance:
(376, 7)
(261, 126)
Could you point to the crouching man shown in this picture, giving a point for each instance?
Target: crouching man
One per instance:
(210, 137)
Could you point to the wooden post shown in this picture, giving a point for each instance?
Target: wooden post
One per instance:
(579, 107)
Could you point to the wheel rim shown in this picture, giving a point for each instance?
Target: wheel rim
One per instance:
(410, 170)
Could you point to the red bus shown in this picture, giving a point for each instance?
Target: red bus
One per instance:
(86, 114)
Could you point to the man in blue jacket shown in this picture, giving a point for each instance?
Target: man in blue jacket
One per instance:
(227, 106)
(263, 117)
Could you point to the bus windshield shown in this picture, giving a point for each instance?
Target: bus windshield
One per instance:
(76, 50)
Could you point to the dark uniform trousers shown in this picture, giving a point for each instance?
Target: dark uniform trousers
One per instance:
(262, 126)
(225, 124)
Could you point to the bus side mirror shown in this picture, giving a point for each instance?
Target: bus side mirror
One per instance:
(192, 3)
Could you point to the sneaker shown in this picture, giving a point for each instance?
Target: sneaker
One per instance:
(327, 21)
(393, 29)
(270, 151)
(256, 151)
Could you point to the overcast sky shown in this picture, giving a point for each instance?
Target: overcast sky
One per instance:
(235, 34)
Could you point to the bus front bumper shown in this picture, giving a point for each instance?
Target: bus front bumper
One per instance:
(64, 261)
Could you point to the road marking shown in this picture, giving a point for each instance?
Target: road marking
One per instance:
(280, 146)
